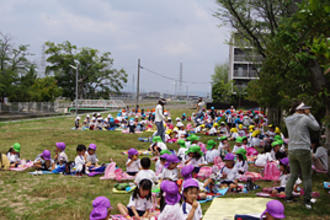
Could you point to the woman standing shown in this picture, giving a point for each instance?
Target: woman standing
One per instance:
(160, 118)
(298, 123)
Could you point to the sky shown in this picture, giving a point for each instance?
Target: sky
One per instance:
(162, 33)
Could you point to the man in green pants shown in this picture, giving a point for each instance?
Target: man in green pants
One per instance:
(298, 123)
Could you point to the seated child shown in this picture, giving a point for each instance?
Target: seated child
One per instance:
(145, 172)
(133, 162)
(320, 156)
(285, 174)
(190, 207)
(4, 162)
(212, 152)
(77, 123)
(13, 155)
(140, 201)
(195, 157)
(265, 157)
(238, 144)
(274, 210)
(241, 163)
(182, 150)
(170, 171)
(187, 172)
(170, 208)
(43, 161)
(159, 166)
(60, 158)
(91, 159)
(101, 209)
(80, 160)
(157, 146)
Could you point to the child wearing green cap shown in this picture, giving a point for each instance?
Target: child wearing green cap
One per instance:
(212, 152)
(238, 144)
(195, 158)
(182, 149)
(241, 163)
(13, 155)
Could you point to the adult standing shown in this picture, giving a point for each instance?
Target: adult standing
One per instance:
(199, 107)
(160, 118)
(298, 123)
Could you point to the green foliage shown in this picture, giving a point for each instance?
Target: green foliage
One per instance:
(222, 92)
(220, 73)
(45, 89)
(97, 77)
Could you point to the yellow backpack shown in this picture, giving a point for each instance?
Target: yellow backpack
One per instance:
(4, 162)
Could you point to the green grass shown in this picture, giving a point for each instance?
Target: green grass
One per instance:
(23, 196)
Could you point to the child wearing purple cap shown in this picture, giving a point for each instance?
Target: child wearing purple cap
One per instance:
(80, 160)
(285, 174)
(190, 207)
(187, 172)
(170, 208)
(60, 155)
(171, 172)
(43, 161)
(91, 159)
(133, 162)
(140, 201)
(274, 211)
(101, 209)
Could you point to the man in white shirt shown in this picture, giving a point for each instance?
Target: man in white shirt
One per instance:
(159, 118)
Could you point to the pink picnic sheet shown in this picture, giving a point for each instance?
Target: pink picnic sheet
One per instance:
(114, 173)
(24, 165)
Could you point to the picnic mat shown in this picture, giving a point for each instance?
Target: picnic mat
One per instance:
(226, 208)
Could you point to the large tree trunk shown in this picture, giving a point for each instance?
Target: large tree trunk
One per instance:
(274, 115)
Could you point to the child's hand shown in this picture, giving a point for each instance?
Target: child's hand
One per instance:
(195, 204)
(224, 175)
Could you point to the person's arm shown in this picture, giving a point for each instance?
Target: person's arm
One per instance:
(192, 211)
(146, 214)
(129, 163)
(136, 214)
(311, 121)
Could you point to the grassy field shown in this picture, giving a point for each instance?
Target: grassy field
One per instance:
(23, 196)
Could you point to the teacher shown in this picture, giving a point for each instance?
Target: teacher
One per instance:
(159, 119)
(298, 123)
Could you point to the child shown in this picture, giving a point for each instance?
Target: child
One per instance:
(211, 151)
(43, 161)
(187, 172)
(170, 171)
(319, 156)
(145, 172)
(4, 162)
(159, 166)
(101, 209)
(133, 162)
(77, 123)
(276, 148)
(140, 201)
(80, 160)
(171, 209)
(60, 156)
(13, 155)
(91, 159)
(229, 173)
(265, 157)
(195, 157)
(274, 210)
(157, 146)
(241, 164)
(190, 207)
(182, 150)
(238, 144)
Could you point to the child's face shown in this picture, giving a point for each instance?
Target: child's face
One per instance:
(277, 148)
(134, 157)
(162, 161)
(91, 151)
(57, 150)
(229, 163)
(191, 195)
(269, 217)
(238, 144)
(191, 154)
(282, 168)
(81, 153)
(172, 166)
(143, 193)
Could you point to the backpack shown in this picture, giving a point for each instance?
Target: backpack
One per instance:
(4, 162)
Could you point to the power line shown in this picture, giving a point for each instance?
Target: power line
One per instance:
(171, 78)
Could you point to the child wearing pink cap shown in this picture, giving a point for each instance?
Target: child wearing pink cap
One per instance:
(170, 208)
(190, 207)
(274, 211)
(101, 209)
(43, 161)
(133, 162)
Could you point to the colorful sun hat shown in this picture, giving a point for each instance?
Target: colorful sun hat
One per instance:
(172, 194)
(210, 144)
(92, 147)
(165, 151)
(157, 139)
(192, 138)
(100, 208)
(274, 208)
(229, 156)
(190, 183)
(171, 159)
(46, 155)
(223, 138)
(239, 140)
(242, 152)
(194, 149)
(275, 143)
(60, 145)
(17, 147)
(182, 143)
(186, 171)
(131, 152)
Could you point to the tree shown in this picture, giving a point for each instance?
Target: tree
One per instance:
(45, 89)
(97, 77)
(221, 88)
(220, 73)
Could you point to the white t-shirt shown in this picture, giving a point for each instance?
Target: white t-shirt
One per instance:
(134, 166)
(159, 167)
(211, 154)
(91, 158)
(182, 152)
(181, 134)
(159, 113)
(236, 148)
(186, 207)
(262, 159)
(170, 174)
(212, 131)
(145, 174)
(162, 146)
(240, 167)
(234, 135)
(197, 163)
(322, 154)
(63, 157)
(255, 142)
(141, 204)
(79, 163)
(232, 174)
(13, 158)
(172, 212)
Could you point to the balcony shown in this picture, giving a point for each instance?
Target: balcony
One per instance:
(247, 58)
(245, 73)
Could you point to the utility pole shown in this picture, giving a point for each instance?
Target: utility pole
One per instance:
(181, 77)
(77, 74)
(138, 83)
